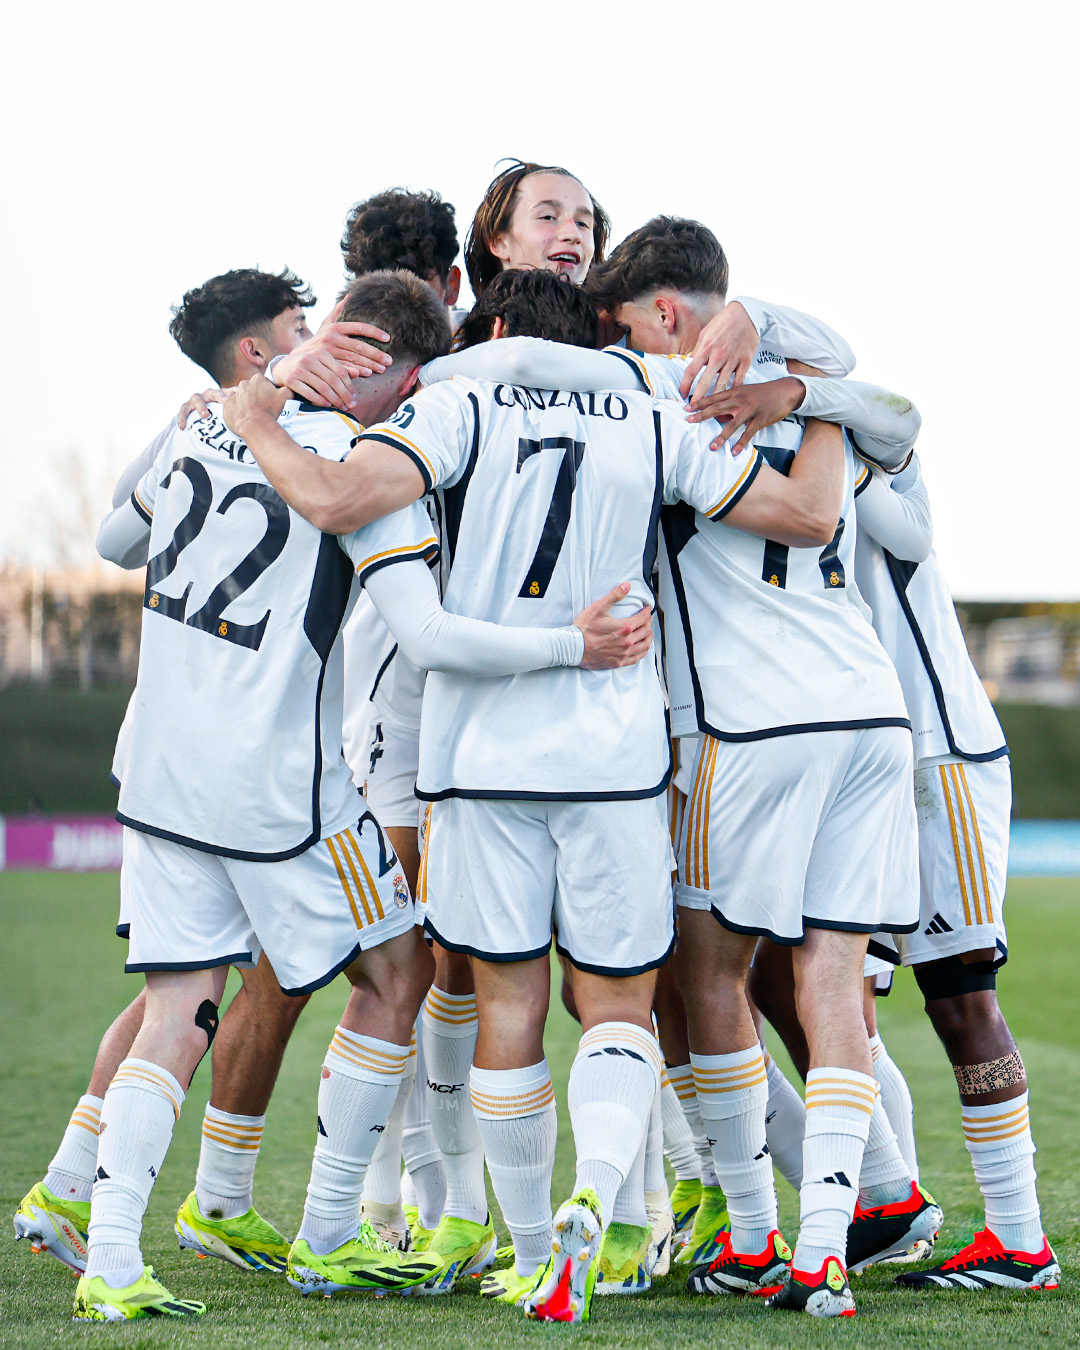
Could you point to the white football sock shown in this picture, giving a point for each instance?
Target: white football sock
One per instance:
(140, 1108)
(227, 1156)
(682, 1080)
(678, 1141)
(382, 1181)
(654, 1177)
(785, 1121)
(71, 1172)
(450, 1027)
(732, 1094)
(629, 1205)
(884, 1178)
(896, 1099)
(515, 1113)
(839, 1105)
(613, 1080)
(360, 1079)
(423, 1182)
(998, 1138)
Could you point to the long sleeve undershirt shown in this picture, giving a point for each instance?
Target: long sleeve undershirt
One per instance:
(895, 512)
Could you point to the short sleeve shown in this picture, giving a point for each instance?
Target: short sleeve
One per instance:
(402, 536)
(437, 428)
(711, 481)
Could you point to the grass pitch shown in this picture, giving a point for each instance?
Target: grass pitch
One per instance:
(62, 981)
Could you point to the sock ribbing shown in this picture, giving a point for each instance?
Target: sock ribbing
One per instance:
(678, 1141)
(228, 1152)
(450, 1026)
(999, 1141)
(682, 1080)
(71, 1172)
(839, 1106)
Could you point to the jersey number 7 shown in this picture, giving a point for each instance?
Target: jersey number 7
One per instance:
(558, 516)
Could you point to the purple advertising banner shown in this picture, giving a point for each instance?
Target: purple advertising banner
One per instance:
(60, 843)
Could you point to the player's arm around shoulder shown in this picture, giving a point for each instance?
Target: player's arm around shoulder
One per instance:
(336, 497)
(895, 512)
(803, 508)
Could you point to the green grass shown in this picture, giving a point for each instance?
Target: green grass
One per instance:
(56, 748)
(61, 981)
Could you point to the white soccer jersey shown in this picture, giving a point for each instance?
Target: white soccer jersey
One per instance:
(235, 736)
(762, 639)
(914, 616)
(550, 499)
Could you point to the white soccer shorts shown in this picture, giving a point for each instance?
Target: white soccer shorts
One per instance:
(312, 914)
(393, 759)
(500, 877)
(813, 830)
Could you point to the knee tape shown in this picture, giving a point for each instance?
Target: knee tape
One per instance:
(206, 1019)
(952, 978)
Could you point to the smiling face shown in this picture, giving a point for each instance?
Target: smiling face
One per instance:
(551, 228)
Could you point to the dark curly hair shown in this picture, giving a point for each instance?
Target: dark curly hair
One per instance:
(531, 304)
(400, 229)
(214, 316)
(495, 212)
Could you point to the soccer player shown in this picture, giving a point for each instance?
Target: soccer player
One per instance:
(255, 603)
(568, 827)
(232, 326)
(963, 797)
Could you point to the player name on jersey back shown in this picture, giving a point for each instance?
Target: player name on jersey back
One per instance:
(234, 740)
(549, 501)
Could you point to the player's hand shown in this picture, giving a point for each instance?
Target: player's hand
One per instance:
(253, 399)
(323, 368)
(196, 405)
(724, 350)
(614, 640)
(749, 406)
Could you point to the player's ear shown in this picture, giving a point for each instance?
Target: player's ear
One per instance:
(408, 381)
(665, 313)
(452, 289)
(498, 327)
(499, 247)
(254, 351)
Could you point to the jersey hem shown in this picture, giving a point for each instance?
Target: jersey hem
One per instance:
(799, 728)
(302, 990)
(498, 957)
(201, 846)
(883, 953)
(616, 971)
(808, 922)
(210, 963)
(497, 794)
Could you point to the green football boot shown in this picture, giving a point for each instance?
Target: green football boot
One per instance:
(623, 1267)
(363, 1264)
(685, 1199)
(463, 1248)
(96, 1301)
(55, 1226)
(710, 1221)
(565, 1288)
(247, 1240)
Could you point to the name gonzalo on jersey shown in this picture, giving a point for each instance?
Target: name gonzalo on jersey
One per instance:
(613, 407)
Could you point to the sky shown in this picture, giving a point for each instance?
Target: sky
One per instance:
(904, 172)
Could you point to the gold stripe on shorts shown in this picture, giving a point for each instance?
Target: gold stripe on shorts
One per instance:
(373, 889)
(333, 845)
(978, 844)
(955, 843)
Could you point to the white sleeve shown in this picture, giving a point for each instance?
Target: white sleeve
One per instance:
(800, 337)
(125, 484)
(124, 536)
(884, 426)
(434, 639)
(436, 429)
(896, 513)
(711, 481)
(535, 363)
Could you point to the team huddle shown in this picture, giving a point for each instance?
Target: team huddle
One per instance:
(466, 633)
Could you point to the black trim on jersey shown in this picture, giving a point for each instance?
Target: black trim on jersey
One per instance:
(454, 497)
(643, 384)
(425, 472)
(382, 671)
(830, 924)
(213, 964)
(501, 794)
(485, 956)
(201, 846)
(741, 492)
(428, 553)
(323, 979)
(883, 953)
(652, 534)
(616, 971)
(141, 511)
(115, 781)
(797, 729)
(123, 930)
(861, 487)
(901, 573)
